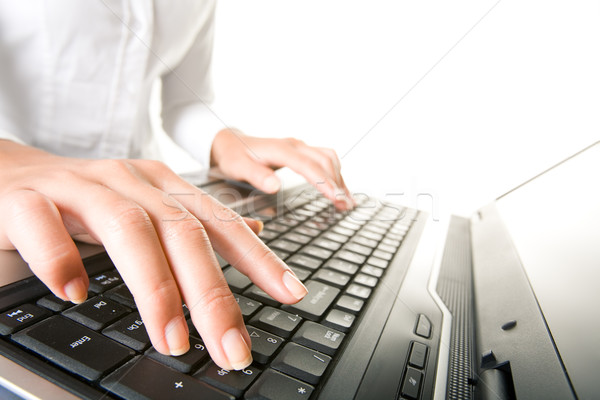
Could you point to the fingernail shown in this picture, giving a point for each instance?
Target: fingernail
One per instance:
(261, 225)
(177, 336)
(271, 184)
(76, 291)
(236, 349)
(296, 288)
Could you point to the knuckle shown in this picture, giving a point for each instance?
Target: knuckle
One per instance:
(152, 166)
(114, 166)
(217, 300)
(293, 142)
(156, 294)
(183, 226)
(127, 216)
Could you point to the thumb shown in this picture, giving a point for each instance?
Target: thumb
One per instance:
(258, 175)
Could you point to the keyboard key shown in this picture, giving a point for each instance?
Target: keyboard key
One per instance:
(247, 306)
(264, 344)
(73, 347)
(107, 280)
(274, 226)
(350, 304)
(365, 241)
(349, 225)
(281, 254)
(384, 255)
(371, 270)
(297, 237)
(256, 293)
(146, 378)
(343, 231)
(129, 331)
(21, 317)
(342, 266)
(22, 292)
(305, 230)
(336, 237)
(411, 383)
(121, 294)
(279, 322)
(351, 257)
(366, 280)
(316, 302)
(340, 320)
(327, 244)
(186, 362)
(273, 385)
(289, 221)
(51, 302)
(391, 242)
(360, 291)
(317, 252)
(377, 262)
(285, 245)
(358, 248)
(237, 281)
(418, 355)
(267, 235)
(423, 327)
(371, 235)
(376, 229)
(97, 312)
(387, 248)
(319, 337)
(304, 261)
(332, 277)
(301, 273)
(301, 362)
(233, 382)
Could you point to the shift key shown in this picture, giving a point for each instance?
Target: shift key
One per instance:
(73, 347)
(316, 302)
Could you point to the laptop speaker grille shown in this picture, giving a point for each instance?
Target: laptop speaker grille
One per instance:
(455, 288)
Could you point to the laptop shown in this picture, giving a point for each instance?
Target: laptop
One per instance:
(501, 305)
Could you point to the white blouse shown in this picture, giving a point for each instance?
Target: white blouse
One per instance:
(76, 75)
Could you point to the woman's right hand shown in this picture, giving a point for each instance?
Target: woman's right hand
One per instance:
(160, 232)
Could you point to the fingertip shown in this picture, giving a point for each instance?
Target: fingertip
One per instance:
(271, 184)
(76, 290)
(177, 336)
(255, 225)
(236, 349)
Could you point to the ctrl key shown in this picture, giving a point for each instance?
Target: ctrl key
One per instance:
(73, 347)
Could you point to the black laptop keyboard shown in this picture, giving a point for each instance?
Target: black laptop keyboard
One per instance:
(102, 344)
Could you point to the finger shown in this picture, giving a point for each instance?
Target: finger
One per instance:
(255, 224)
(330, 163)
(247, 168)
(33, 225)
(315, 167)
(191, 258)
(235, 241)
(128, 234)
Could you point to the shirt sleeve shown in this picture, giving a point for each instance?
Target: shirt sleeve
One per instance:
(9, 136)
(187, 96)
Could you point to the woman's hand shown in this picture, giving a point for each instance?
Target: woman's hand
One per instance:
(251, 159)
(160, 233)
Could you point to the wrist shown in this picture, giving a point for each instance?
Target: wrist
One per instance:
(222, 141)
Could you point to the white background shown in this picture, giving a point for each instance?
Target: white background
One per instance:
(449, 103)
